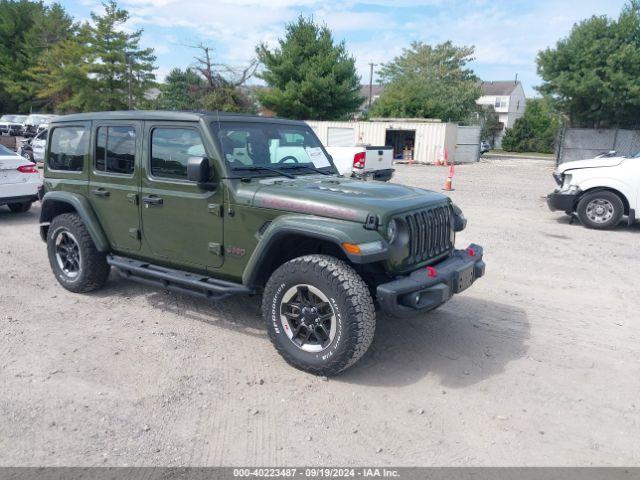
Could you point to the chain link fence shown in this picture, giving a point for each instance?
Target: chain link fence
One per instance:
(582, 143)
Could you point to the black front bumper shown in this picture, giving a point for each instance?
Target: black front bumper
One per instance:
(427, 288)
(564, 202)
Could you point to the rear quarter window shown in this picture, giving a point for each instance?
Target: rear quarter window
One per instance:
(69, 148)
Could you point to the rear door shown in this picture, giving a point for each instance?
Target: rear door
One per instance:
(182, 223)
(114, 181)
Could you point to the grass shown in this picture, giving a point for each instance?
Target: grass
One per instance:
(522, 154)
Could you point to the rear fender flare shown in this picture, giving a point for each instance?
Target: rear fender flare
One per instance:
(82, 207)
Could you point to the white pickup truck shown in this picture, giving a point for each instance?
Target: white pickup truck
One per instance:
(367, 162)
(599, 190)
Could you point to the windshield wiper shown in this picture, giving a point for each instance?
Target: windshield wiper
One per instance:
(255, 168)
(294, 167)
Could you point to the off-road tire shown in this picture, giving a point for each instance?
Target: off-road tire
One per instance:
(612, 198)
(352, 306)
(94, 269)
(21, 207)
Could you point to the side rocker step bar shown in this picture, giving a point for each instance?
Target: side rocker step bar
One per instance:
(176, 280)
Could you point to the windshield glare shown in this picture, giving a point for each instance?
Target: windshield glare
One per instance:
(270, 145)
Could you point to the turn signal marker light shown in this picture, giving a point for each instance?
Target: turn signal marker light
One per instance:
(351, 248)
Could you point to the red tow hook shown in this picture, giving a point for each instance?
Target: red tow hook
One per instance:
(471, 252)
(432, 272)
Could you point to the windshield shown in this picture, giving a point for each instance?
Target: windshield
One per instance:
(256, 145)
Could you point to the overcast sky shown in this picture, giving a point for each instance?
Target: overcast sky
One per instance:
(507, 34)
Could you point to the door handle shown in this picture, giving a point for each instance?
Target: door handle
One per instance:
(100, 192)
(152, 200)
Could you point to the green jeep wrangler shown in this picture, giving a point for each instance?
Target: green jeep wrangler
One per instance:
(214, 204)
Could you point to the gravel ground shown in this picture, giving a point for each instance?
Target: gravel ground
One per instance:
(536, 364)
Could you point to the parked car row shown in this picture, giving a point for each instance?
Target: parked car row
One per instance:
(12, 124)
(24, 125)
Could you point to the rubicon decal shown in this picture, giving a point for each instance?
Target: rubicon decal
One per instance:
(236, 251)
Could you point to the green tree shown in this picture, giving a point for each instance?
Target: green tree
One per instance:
(28, 29)
(63, 77)
(491, 125)
(181, 90)
(223, 84)
(592, 75)
(207, 86)
(119, 63)
(535, 131)
(309, 76)
(429, 82)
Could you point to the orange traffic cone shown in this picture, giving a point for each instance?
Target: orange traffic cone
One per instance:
(448, 183)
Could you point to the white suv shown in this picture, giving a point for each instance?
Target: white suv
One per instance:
(599, 190)
(19, 181)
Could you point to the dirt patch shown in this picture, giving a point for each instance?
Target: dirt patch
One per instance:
(536, 364)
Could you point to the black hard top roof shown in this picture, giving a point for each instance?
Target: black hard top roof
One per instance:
(168, 115)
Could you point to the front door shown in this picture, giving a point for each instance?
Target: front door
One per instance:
(181, 223)
(114, 182)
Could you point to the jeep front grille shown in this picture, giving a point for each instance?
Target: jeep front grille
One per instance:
(430, 233)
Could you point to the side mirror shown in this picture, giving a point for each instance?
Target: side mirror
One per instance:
(199, 171)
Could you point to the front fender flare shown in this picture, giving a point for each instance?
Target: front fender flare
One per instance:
(82, 207)
(327, 229)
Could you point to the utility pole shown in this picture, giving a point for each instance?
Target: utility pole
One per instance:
(129, 71)
(371, 65)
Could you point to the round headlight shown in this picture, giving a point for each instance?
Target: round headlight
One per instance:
(392, 231)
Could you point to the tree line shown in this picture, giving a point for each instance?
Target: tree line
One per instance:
(590, 80)
(50, 62)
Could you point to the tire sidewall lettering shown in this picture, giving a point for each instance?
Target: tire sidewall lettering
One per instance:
(275, 307)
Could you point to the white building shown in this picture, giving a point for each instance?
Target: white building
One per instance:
(508, 100)
(415, 140)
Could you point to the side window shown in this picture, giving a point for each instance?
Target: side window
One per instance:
(171, 149)
(69, 146)
(116, 150)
